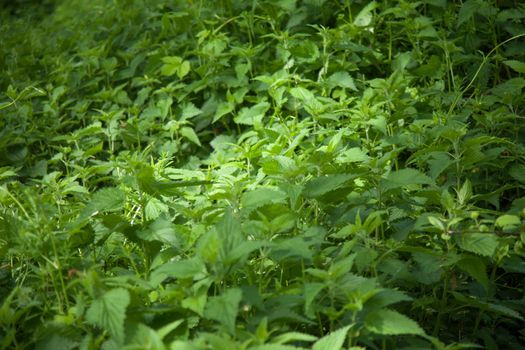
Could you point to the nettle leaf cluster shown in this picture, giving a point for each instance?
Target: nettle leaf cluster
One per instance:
(262, 174)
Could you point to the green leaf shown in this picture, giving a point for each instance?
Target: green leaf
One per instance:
(438, 162)
(405, 177)
(167, 329)
(105, 200)
(279, 165)
(476, 268)
(140, 336)
(479, 243)
(249, 116)
(292, 247)
(389, 322)
(161, 230)
(175, 64)
(386, 297)
(155, 207)
(193, 268)
(293, 336)
(109, 312)
(222, 109)
(483, 305)
(428, 268)
(364, 17)
(183, 69)
(262, 196)
(322, 185)
(332, 341)
(224, 308)
(516, 65)
(170, 66)
(311, 290)
(190, 134)
(189, 111)
(508, 221)
(274, 347)
(242, 251)
(467, 11)
(302, 94)
(353, 155)
(51, 342)
(510, 87)
(342, 79)
(518, 172)
(437, 223)
(147, 183)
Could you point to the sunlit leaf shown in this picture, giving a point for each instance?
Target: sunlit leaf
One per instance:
(479, 243)
(390, 322)
(332, 341)
(109, 312)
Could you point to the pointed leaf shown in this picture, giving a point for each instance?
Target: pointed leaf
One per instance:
(516, 65)
(342, 79)
(104, 200)
(248, 116)
(193, 268)
(183, 69)
(332, 341)
(405, 177)
(391, 322)
(311, 290)
(262, 196)
(189, 111)
(322, 185)
(293, 336)
(222, 109)
(190, 134)
(161, 230)
(476, 268)
(508, 221)
(224, 308)
(109, 312)
(479, 243)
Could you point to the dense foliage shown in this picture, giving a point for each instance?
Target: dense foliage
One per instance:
(262, 175)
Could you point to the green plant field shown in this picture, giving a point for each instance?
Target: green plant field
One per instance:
(262, 175)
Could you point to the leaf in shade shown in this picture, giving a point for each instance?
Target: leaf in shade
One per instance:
(322, 185)
(105, 200)
(192, 268)
(224, 308)
(475, 267)
(516, 65)
(161, 230)
(405, 177)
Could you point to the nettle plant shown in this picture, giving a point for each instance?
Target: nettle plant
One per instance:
(262, 175)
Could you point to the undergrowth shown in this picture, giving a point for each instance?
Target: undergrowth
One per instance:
(262, 175)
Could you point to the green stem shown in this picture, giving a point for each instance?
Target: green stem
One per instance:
(485, 59)
(442, 305)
